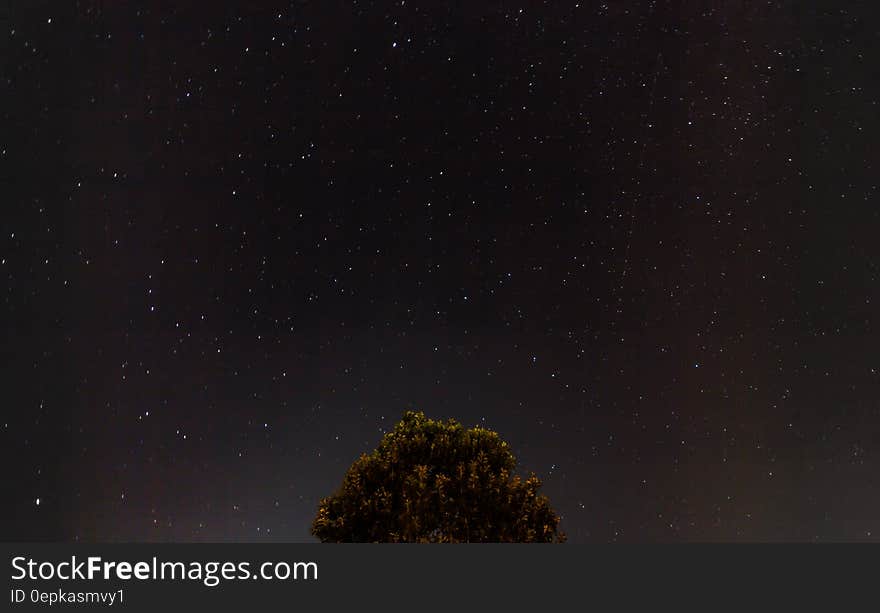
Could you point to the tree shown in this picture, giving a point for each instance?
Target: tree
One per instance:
(437, 482)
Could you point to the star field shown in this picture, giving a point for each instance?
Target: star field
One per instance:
(636, 239)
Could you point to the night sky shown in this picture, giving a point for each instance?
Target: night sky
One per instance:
(639, 240)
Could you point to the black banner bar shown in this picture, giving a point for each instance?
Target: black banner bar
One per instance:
(261, 577)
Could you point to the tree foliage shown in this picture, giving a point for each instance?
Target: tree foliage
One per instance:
(438, 482)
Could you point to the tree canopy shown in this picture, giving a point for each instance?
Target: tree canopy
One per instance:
(437, 482)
